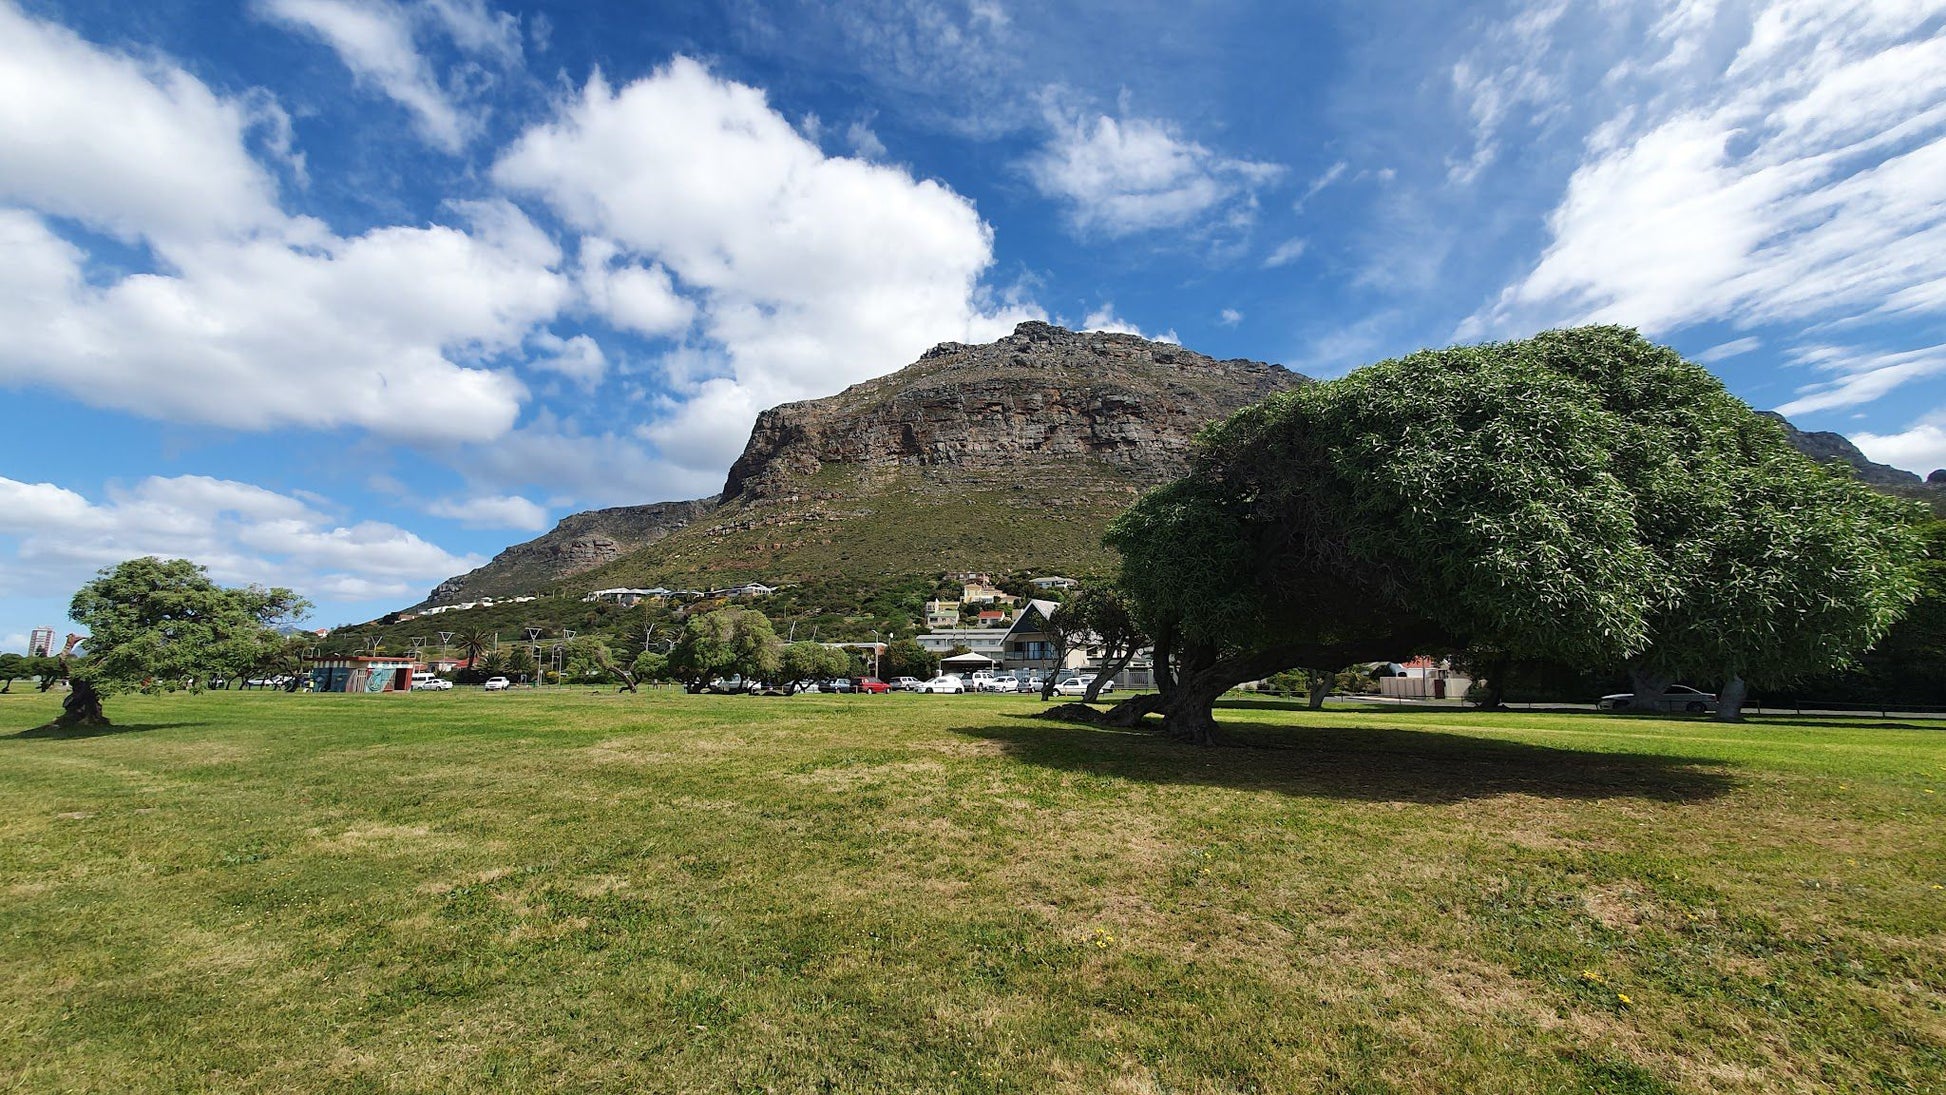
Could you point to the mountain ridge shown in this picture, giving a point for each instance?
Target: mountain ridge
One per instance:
(1031, 442)
(983, 457)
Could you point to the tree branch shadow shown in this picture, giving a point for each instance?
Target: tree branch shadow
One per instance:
(69, 733)
(1375, 764)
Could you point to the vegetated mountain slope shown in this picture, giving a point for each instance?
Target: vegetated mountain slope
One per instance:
(1012, 454)
(580, 542)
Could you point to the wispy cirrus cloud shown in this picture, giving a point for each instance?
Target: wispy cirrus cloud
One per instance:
(381, 42)
(1779, 166)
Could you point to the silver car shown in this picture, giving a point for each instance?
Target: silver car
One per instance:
(1679, 697)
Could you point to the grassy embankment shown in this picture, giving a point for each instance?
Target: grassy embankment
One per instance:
(663, 893)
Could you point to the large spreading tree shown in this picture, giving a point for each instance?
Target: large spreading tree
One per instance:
(729, 642)
(1583, 496)
(162, 623)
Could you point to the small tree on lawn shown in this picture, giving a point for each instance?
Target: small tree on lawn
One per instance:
(152, 621)
(1103, 616)
(651, 667)
(589, 658)
(12, 666)
(805, 662)
(729, 642)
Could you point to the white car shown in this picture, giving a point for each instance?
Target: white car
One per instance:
(907, 684)
(945, 683)
(1679, 697)
(996, 684)
(1078, 686)
(497, 684)
(432, 684)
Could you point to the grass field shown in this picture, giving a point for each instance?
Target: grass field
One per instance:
(575, 892)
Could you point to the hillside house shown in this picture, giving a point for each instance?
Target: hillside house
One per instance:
(942, 614)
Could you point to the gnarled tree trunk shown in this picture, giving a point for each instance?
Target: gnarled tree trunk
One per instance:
(1648, 686)
(1317, 685)
(1729, 702)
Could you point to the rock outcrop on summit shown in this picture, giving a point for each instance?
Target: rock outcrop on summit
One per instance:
(1032, 403)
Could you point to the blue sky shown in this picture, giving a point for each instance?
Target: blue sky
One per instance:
(347, 295)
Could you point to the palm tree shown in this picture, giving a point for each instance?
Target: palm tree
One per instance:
(474, 641)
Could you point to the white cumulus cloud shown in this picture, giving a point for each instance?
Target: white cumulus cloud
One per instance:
(251, 318)
(1121, 176)
(52, 537)
(135, 147)
(805, 272)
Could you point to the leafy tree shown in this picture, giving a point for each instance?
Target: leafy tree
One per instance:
(728, 642)
(12, 666)
(907, 658)
(590, 658)
(803, 662)
(1582, 496)
(1102, 615)
(652, 667)
(1066, 629)
(520, 661)
(154, 621)
(47, 670)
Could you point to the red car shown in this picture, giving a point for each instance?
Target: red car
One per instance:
(872, 684)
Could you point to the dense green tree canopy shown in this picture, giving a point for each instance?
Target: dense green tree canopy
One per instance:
(806, 662)
(162, 622)
(729, 642)
(1582, 496)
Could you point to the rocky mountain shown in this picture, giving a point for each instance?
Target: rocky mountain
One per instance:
(1011, 454)
(1835, 448)
(580, 542)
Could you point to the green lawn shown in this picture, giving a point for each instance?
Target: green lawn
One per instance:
(575, 892)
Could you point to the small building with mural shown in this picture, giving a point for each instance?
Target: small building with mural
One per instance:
(376, 674)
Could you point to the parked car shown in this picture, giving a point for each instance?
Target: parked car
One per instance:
(497, 684)
(872, 685)
(944, 683)
(906, 684)
(997, 684)
(432, 684)
(1078, 686)
(1679, 697)
(840, 685)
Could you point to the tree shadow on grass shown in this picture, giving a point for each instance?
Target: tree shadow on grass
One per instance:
(69, 733)
(1361, 764)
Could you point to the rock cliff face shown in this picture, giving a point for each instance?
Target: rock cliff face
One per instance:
(1835, 448)
(1035, 402)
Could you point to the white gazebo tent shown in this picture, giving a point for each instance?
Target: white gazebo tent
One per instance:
(965, 661)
